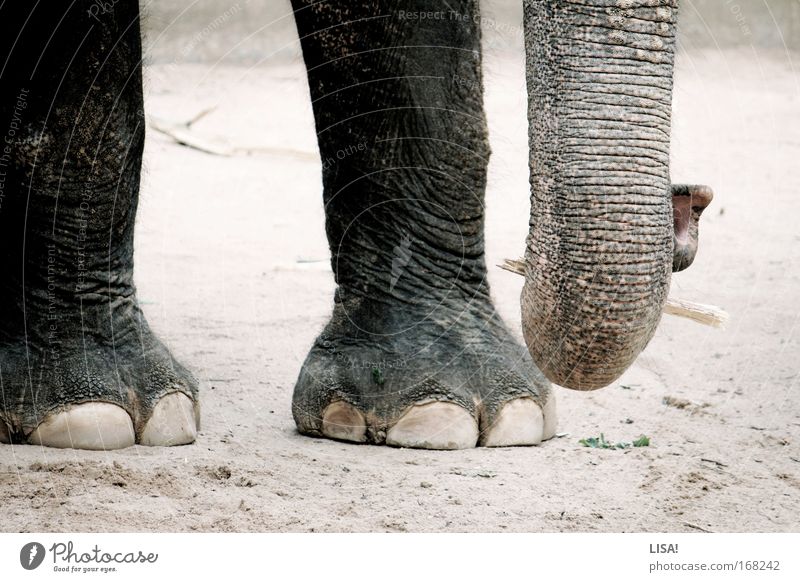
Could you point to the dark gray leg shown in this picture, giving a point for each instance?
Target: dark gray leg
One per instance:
(79, 365)
(415, 354)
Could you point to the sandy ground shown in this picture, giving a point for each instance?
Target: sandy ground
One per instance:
(232, 268)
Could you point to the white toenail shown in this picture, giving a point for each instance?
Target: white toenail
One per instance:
(550, 417)
(172, 422)
(94, 426)
(519, 422)
(343, 421)
(434, 425)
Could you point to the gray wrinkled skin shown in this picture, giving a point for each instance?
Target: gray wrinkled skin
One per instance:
(71, 330)
(599, 252)
(413, 320)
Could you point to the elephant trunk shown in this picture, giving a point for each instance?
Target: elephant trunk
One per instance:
(599, 254)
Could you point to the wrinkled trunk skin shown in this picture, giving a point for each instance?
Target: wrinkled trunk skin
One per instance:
(599, 252)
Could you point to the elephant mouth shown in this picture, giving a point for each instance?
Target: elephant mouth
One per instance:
(688, 203)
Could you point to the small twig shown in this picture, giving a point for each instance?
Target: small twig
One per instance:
(181, 133)
(697, 527)
(512, 266)
(200, 115)
(699, 312)
(717, 463)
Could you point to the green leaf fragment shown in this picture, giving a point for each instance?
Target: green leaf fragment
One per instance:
(601, 443)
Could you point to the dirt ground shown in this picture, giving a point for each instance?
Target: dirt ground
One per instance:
(232, 268)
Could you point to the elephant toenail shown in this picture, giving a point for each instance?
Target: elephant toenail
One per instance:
(345, 422)
(434, 425)
(519, 422)
(98, 426)
(172, 422)
(550, 417)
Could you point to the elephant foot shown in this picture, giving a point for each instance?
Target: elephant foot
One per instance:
(455, 379)
(86, 392)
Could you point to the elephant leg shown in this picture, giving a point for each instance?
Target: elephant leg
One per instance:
(415, 354)
(79, 366)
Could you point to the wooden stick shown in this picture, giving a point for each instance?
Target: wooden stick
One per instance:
(181, 132)
(699, 312)
(513, 266)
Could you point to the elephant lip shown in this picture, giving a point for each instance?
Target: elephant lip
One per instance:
(688, 203)
(682, 218)
(685, 238)
(683, 257)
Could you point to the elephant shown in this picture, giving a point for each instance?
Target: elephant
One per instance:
(415, 354)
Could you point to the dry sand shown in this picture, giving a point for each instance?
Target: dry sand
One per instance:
(232, 269)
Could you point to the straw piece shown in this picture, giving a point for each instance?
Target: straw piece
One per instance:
(699, 312)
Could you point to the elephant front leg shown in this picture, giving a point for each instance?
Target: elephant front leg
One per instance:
(415, 354)
(79, 366)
